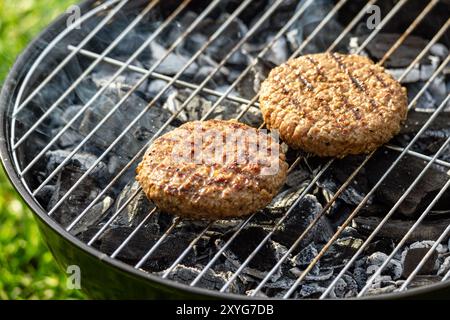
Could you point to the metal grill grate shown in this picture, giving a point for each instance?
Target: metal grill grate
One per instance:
(112, 8)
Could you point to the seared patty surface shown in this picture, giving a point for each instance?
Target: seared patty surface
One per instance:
(331, 104)
(194, 171)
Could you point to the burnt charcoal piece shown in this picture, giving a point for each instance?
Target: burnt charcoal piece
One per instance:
(79, 199)
(338, 174)
(162, 258)
(360, 276)
(395, 229)
(199, 106)
(172, 64)
(262, 262)
(403, 56)
(401, 177)
(210, 280)
(429, 141)
(136, 209)
(298, 220)
(340, 251)
(345, 287)
(123, 83)
(296, 177)
(445, 267)
(221, 46)
(412, 255)
(71, 136)
(311, 18)
(44, 195)
(133, 140)
(310, 291)
(304, 257)
(424, 280)
(82, 161)
(171, 248)
(136, 248)
(249, 86)
(276, 54)
(431, 98)
(93, 216)
(393, 269)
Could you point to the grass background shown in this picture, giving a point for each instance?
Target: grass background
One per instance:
(27, 269)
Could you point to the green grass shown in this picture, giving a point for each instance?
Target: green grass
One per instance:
(27, 269)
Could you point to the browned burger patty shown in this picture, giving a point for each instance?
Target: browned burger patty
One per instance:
(332, 104)
(212, 177)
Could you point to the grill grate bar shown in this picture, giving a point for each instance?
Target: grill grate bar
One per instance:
(408, 31)
(161, 76)
(98, 94)
(74, 85)
(418, 155)
(446, 276)
(104, 6)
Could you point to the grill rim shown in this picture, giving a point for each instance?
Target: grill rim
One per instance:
(14, 77)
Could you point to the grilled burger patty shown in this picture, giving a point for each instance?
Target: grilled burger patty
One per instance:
(212, 177)
(331, 104)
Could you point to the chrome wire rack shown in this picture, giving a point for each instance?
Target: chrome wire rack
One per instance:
(22, 134)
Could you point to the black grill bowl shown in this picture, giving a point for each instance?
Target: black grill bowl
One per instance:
(101, 276)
